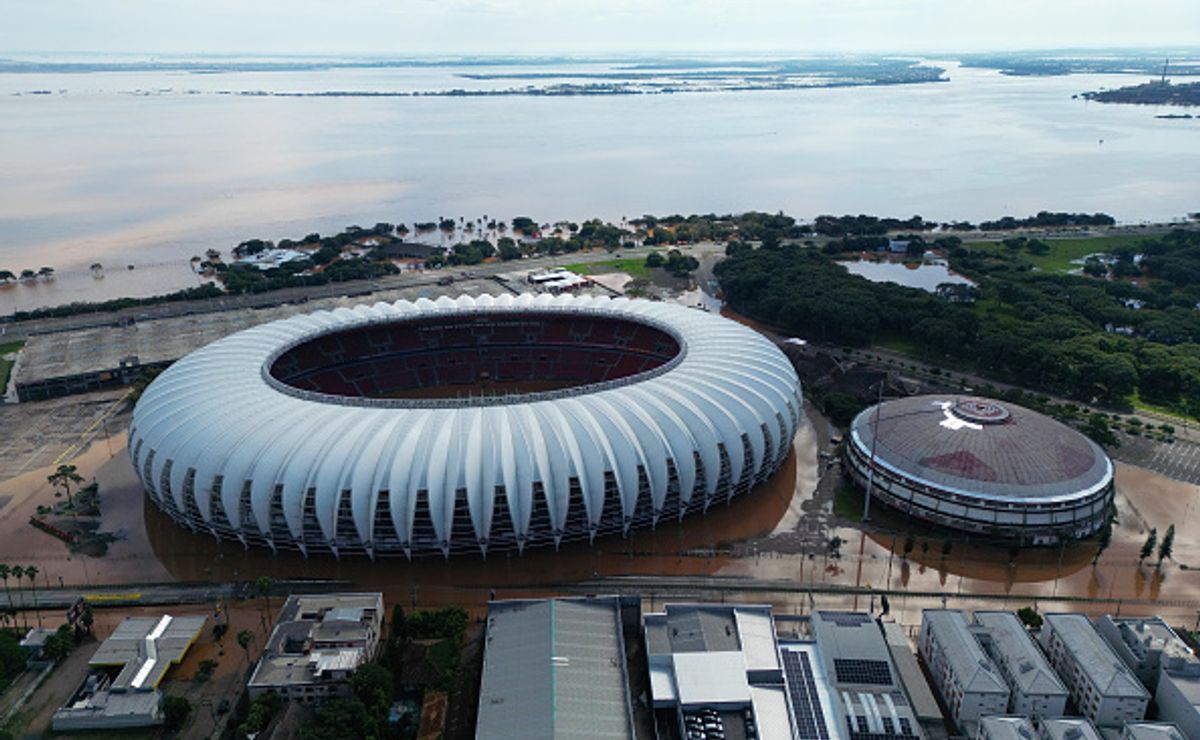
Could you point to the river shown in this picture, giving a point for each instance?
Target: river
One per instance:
(150, 168)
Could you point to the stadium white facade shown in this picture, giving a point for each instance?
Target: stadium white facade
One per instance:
(462, 424)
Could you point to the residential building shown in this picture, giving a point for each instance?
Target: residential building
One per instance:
(716, 671)
(120, 690)
(1036, 690)
(857, 661)
(1068, 728)
(1005, 727)
(968, 681)
(318, 643)
(1143, 643)
(1101, 686)
(555, 668)
(1164, 663)
(1151, 731)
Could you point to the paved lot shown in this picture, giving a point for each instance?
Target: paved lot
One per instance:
(39, 434)
(1179, 460)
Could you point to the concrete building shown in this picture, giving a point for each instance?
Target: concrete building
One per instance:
(1068, 728)
(1005, 727)
(1102, 687)
(1036, 691)
(318, 643)
(120, 690)
(968, 681)
(1145, 644)
(920, 696)
(858, 662)
(1164, 663)
(813, 705)
(1151, 731)
(716, 671)
(555, 668)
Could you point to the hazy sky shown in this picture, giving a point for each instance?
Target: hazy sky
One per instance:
(588, 26)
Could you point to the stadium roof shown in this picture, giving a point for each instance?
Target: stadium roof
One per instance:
(981, 448)
(554, 668)
(217, 437)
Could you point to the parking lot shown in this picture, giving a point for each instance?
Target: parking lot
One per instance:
(1179, 460)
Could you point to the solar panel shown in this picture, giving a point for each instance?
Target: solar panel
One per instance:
(806, 703)
(847, 619)
(872, 672)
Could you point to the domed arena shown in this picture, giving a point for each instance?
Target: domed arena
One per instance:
(982, 466)
(464, 425)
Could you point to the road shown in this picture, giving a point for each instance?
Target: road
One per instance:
(11, 331)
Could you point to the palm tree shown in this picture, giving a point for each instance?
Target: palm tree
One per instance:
(46, 272)
(18, 572)
(64, 477)
(264, 585)
(244, 638)
(5, 572)
(31, 572)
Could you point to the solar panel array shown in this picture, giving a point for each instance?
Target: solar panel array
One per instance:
(871, 672)
(847, 619)
(806, 703)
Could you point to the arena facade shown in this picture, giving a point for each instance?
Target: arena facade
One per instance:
(982, 466)
(467, 424)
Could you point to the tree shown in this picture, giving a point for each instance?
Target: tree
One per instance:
(31, 572)
(244, 638)
(175, 712)
(1148, 546)
(18, 572)
(264, 585)
(46, 272)
(59, 644)
(654, 259)
(1167, 545)
(1103, 540)
(1029, 617)
(910, 543)
(5, 572)
(63, 478)
(7, 276)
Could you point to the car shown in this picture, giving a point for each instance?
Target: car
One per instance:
(223, 707)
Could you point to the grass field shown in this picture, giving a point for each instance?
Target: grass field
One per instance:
(635, 267)
(848, 503)
(6, 365)
(1063, 251)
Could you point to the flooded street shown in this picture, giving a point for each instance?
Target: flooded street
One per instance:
(778, 534)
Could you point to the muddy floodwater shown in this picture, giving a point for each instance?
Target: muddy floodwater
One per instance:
(780, 531)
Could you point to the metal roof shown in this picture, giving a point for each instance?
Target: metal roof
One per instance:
(1006, 728)
(554, 668)
(974, 669)
(145, 647)
(213, 425)
(1027, 665)
(1095, 658)
(1069, 728)
(980, 448)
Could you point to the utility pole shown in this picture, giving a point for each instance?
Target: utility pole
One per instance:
(866, 517)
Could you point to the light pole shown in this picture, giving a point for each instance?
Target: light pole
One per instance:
(866, 517)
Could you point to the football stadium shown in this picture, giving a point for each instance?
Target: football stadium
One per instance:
(981, 466)
(466, 424)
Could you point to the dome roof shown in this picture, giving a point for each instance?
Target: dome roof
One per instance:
(245, 432)
(981, 448)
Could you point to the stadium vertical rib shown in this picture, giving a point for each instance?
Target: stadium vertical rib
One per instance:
(349, 431)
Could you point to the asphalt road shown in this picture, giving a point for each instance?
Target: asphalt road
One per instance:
(20, 330)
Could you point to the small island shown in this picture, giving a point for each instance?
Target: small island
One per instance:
(1156, 92)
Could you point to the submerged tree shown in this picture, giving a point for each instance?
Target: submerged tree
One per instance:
(1148, 545)
(1167, 545)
